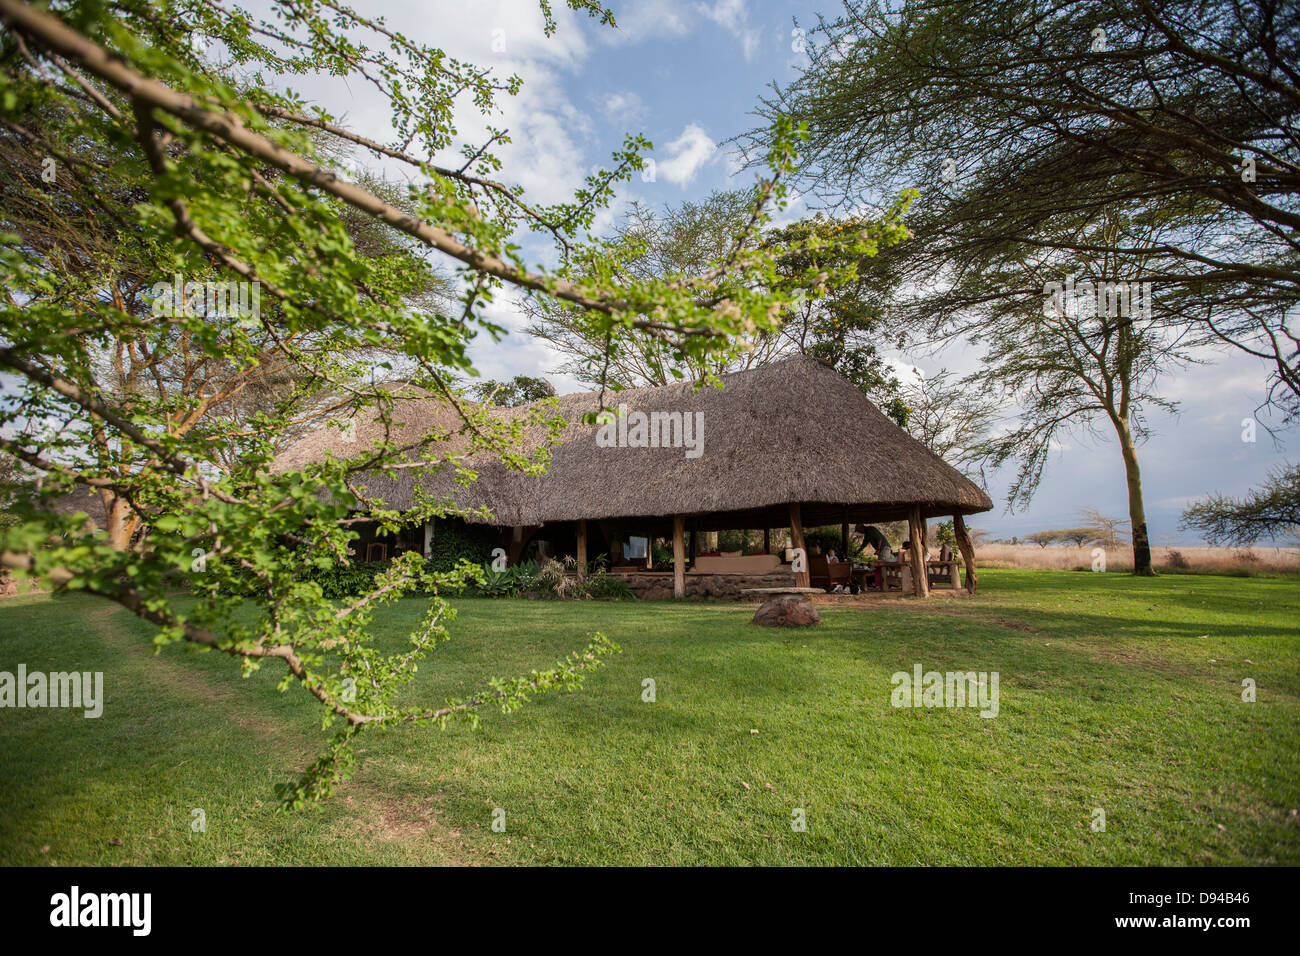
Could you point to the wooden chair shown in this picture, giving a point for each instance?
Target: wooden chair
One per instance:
(376, 551)
(823, 574)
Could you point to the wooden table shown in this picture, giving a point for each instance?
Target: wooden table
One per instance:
(899, 571)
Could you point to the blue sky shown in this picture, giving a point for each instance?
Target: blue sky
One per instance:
(687, 75)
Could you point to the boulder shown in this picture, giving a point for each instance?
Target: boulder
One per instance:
(789, 610)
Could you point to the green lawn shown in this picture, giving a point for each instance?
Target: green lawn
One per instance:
(1116, 693)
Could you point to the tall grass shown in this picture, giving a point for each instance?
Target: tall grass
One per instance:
(1188, 560)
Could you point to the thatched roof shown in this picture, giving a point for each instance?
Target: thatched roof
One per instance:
(792, 431)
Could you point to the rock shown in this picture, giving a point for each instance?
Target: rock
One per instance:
(789, 610)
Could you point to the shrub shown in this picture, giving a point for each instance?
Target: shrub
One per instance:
(453, 540)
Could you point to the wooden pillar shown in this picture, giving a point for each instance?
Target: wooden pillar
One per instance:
(649, 551)
(679, 557)
(767, 540)
(802, 579)
(920, 574)
(514, 545)
(844, 541)
(967, 549)
(582, 550)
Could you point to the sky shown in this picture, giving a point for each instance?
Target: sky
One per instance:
(688, 76)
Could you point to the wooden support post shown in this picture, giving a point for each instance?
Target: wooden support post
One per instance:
(679, 557)
(514, 545)
(920, 574)
(844, 541)
(767, 540)
(967, 549)
(802, 579)
(582, 550)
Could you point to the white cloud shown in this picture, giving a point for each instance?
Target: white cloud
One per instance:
(733, 16)
(687, 155)
(647, 20)
(623, 106)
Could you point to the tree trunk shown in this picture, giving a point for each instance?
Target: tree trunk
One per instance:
(1137, 514)
(117, 521)
(967, 549)
(920, 573)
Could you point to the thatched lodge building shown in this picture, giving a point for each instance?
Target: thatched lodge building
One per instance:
(790, 445)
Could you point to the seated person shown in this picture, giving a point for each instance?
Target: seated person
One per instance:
(830, 557)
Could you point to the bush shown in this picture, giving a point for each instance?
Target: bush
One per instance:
(453, 540)
(335, 580)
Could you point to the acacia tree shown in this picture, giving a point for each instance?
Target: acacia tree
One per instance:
(1013, 117)
(1089, 354)
(223, 178)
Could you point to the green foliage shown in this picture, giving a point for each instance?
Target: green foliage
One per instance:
(828, 538)
(455, 541)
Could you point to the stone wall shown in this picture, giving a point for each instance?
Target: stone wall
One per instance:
(653, 586)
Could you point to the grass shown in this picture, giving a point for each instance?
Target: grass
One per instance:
(1117, 693)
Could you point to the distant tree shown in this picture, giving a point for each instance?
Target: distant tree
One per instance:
(1043, 538)
(845, 326)
(1272, 512)
(519, 390)
(683, 240)
(837, 321)
(1078, 536)
(1107, 531)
